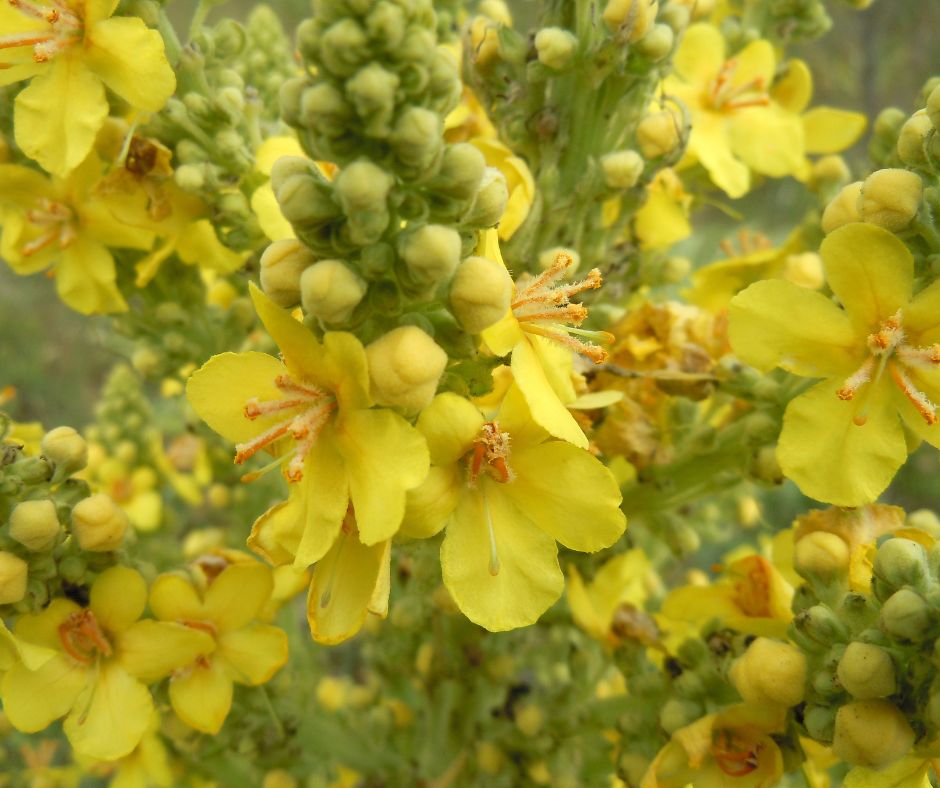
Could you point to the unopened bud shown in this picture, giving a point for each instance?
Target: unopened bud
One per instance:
(282, 264)
(900, 562)
(417, 139)
(933, 107)
(432, 254)
(461, 170)
(925, 520)
(872, 733)
(490, 201)
(279, 778)
(677, 713)
(821, 554)
(890, 198)
(555, 47)
(65, 449)
(770, 671)
(657, 43)
(905, 615)
(362, 186)
(805, 270)
(622, 169)
(14, 572)
(529, 719)
(843, 208)
(634, 15)
(866, 671)
(484, 42)
(372, 91)
(330, 291)
(35, 524)
(480, 293)
(497, 10)
(820, 722)
(98, 523)
(658, 134)
(911, 139)
(405, 366)
(830, 170)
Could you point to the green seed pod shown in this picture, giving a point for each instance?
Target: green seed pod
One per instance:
(866, 671)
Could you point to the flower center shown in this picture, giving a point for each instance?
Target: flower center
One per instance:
(543, 307)
(889, 351)
(64, 29)
(724, 95)
(733, 754)
(490, 455)
(56, 224)
(307, 410)
(82, 638)
(752, 588)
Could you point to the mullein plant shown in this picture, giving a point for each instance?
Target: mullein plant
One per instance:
(407, 342)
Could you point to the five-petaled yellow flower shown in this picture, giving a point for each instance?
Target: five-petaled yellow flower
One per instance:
(844, 439)
(506, 493)
(72, 50)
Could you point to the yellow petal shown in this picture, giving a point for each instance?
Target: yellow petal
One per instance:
(199, 245)
(583, 611)
(345, 369)
(173, 598)
(768, 140)
(528, 579)
(152, 650)
(755, 62)
(777, 323)
(342, 588)
(870, 270)
(385, 457)
(923, 316)
(909, 772)
(276, 534)
(265, 207)
(274, 148)
(515, 418)
(700, 54)
(97, 10)
(710, 143)
(238, 595)
(252, 654)
(449, 424)
(504, 335)
(828, 130)
(99, 224)
(111, 716)
(202, 698)
(219, 390)
(118, 598)
(20, 186)
(129, 58)
(793, 90)
(42, 628)
(302, 353)
(145, 510)
(430, 505)
(831, 458)
(661, 221)
(321, 501)
(86, 280)
(57, 116)
(32, 699)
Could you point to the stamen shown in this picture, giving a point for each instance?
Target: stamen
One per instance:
(570, 313)
(920, 356)
(596, 354)
(44, 241)
(245, 450)
(255, 407)
(251, 476)
(23, 40)
(287, 384)
(859, 378)
(917, 398)
(82, 638)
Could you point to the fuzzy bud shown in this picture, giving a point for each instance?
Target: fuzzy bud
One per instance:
(330, 291)
(416, 139)
(282, 264)
(770, 671)
(634, 15)
(432, 254)
(821, 554)
(622, 169)
(35, 525)
(461, 170)
(14, 572)
(901, 562)
(890, 198)
(657, 43)
(372, 91)
(490, 201)
(843, 208)
(658, 134)
(933, 107)
(905, 615)
(911, 139)
(484, 42)
(871, 733)
(98, 523)
(830, 169)
(65, 449)
(405, 366)
(555, 47)
(866, 671)
(480, 293)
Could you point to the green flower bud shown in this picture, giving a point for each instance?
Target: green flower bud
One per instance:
(387, 23)
(405, 366)
(330, 291)
(657, 43)
(901, 562)
(636, 16)
(871, 733)
(14, 572)
(674, 269)
(363, 187)
(766, 467)
(821, 624)
(490, 201)
(529, 719)
(343, 47)
(821, 555)
(676, 16)
(622, 169)
(555, 47)
(933, 107)
(146, 360)
(231, 101)
(829, 171)
(890, 198)
(911, 139)
(888, 124)
(372, 92)
(461, 171)
(417, 140)
(659, 134)
(820, 722)
(480, 293)
(35, 525)
(305, 198)
(229, 39)
(282, 264)
(866, 671)
(289, 98)
(190, 177)
(66, 450)
(98, 523)
(432, 254)
(770, 671)
(677, 713)
(905, 615)
(924, 520)
(843, 208)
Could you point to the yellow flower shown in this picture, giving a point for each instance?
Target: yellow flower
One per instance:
(736, 125)
(879, 357)
(104, 657)
(313, 409)
(663, 219)
(519, 181)
(263, 202)
(243, 651)
(506, 494)
(61, 223)
(71, 51)
(734, 743)
(752, 597)
(147, 766)
(133, 489)
(536, 333)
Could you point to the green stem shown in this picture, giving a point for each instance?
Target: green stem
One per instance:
(270, 707)
(199, 18)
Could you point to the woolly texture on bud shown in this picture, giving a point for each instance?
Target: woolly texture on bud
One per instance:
(872, 733)
(405, 366)
(843, 208)
(635, 15)
(35, 525)
(282, 263)
(330, 291)
(480, 293)
(770, 671)
(911, 139)
(432, 254)
(658, 134)
(822, 554)
(98, 523)
(622, 169)
(890, 198)
(65, 449)
(866, 671)
(13, 574)
(555, 47)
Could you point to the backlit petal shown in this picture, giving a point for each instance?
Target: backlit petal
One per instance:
(86, 279)
(118, 598)
(700, 54)
(449, 424)
(252, 654)
(322, 501)
(794, 88)
(238, 595)
(710, 143)
(202, 698)
(32, 699)
(769, 140)
(828, 130)
(152, 650)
